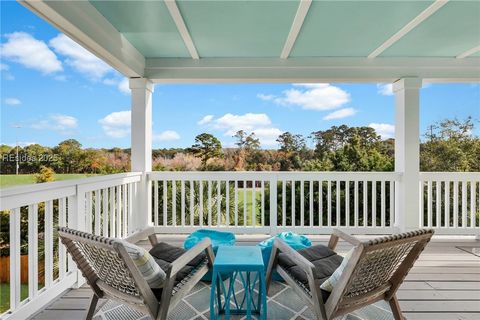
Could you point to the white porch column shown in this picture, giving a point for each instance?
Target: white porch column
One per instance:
(407, 152)
(141, 157)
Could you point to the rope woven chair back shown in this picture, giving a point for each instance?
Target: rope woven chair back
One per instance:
(98, 258)
(382, 258)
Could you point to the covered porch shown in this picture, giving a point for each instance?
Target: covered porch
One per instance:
(443, 285)
(180, 42)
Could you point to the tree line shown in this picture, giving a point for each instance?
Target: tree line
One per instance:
(446, 146)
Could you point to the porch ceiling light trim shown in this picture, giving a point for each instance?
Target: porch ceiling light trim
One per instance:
(434, 7)
(182, 28)
(469, 52)
(302, 12)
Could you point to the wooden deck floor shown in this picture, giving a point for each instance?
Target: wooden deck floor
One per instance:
(443, 285)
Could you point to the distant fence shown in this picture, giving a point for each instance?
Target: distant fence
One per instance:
(5, 270)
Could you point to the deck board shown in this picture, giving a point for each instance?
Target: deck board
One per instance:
(443, 284)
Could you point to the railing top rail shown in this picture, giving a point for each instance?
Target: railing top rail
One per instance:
(278, 175)
(22, 190)
(450, 176)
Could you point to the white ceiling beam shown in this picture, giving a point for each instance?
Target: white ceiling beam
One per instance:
(182, 28)
(261, 70)
(468, 52)
(302, 12)
(85, 25)
(409, 27)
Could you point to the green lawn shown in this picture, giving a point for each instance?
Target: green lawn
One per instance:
(248, 203)
(5, 295)
(11, 180)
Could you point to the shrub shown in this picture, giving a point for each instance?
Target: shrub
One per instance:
(180, 162)
(46, 175)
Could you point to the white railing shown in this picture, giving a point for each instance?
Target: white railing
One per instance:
(101, 205)
(450, 202)
(269, 202)
(241, 202)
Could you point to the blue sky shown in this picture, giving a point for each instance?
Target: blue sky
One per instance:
(54, 90)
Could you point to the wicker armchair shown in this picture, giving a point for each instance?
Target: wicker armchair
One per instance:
(112, 274)
(374, 272)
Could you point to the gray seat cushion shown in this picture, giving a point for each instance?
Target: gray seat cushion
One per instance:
(325, 260)
(164, 254)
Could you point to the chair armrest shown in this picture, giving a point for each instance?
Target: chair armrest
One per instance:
(153, 239)
(300, 260)
(139, 235)
(337, 234)
(184, 259)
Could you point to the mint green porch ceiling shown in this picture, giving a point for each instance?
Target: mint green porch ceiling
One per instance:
(240, 29)
(453, 29)
(147, 25)
(352, 28)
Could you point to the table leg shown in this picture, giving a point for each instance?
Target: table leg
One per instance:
(219, 291)
(256, 304)
(248, 297)
(263, 293)
(259, 296)
(231, 290)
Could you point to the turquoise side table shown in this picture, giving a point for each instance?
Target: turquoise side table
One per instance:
(218, 238)
(245, 263)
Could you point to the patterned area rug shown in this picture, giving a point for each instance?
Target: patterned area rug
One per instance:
(282, 303)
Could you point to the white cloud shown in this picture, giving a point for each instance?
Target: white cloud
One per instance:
(258, 123)
(4, 68)
(116, 124)
(385, 89)
(61, 123)
(23, 48)
(168, 135)
(21, 144)
(311, 85)
(65, 122)
(124, 86)
(26, 143)
(61, 77)
(205, 120)
(265, 97)
(12, 101)
(314, 96)
(385, 130)
(232, 123)
(79, 58)
(339, 114)
(110, 81)
(268, 136)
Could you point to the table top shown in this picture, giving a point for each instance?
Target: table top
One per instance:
(243, 258)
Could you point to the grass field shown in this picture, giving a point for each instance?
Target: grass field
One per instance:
(5, 295)
(12, 180)
(248, 203)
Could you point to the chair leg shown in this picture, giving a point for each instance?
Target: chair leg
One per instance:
(319, 314)
(163, 309)
(395, 306)
(271, 267)
(93, 306)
